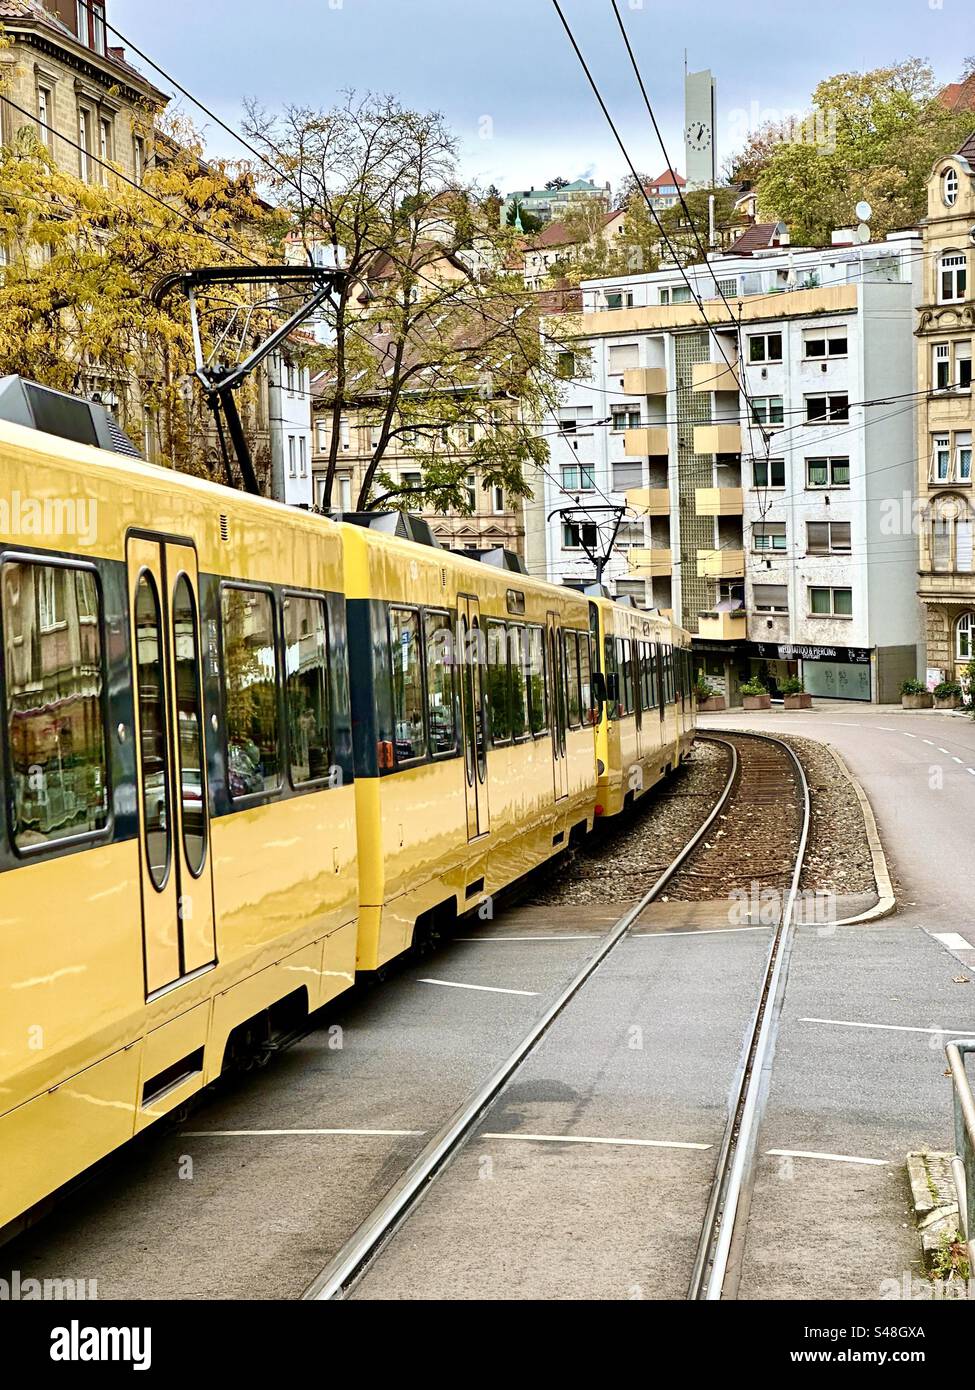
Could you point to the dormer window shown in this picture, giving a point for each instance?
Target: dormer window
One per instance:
(949, 187)
(91, 24)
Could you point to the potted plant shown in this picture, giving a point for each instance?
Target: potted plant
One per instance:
(794, 693)
(709, 701)
(915, 695)
(947, 695)
(755, 695)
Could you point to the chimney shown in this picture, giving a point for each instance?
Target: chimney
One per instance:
(117, 53)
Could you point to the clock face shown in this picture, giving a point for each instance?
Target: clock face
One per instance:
(698, 135)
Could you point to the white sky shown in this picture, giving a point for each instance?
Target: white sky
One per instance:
(504, 75)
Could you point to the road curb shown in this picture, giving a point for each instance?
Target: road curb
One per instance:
(887, 903)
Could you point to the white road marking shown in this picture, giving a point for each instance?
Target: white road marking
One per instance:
(956, 760)
(830, 1158)
(888, 1027)
(269, 1133)
(908, 735)
(943, 750)
(707, 931)
(590, 936)
(971, 770)
(488, 989)
(885, 729)
(928, 741)
(952, 940)
(590, 1139)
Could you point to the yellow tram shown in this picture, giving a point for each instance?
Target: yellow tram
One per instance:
(248, 752)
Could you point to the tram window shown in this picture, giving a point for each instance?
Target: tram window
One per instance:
(55, 717)
(498, 685)
(404, 630)
(250, 667)
(440, 683)
(151, 692)
(668, 673)
(536, 668)
(189, 719)
(626, 681)
(653, 689)
(572, 678)
(306, 674)
(517, 660)
(612, 678)
(585, 679)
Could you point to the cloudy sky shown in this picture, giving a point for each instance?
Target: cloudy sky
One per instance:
(504, 75)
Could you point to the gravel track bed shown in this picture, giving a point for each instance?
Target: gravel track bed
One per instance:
(627, 855)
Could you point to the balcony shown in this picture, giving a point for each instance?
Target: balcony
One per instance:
(723, 627)
(651, 439)
(717, 439)
(718, 501)
(645, 381)
(721, 564)
(649, 501)
(651, 564)
(713, 376)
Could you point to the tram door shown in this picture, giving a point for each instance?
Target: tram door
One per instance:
(557, 698)
(472, 640)
(174, 823)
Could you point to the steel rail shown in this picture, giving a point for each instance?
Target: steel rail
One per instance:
(736, 1156)
(365, 1243)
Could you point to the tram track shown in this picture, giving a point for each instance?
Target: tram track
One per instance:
(765, 777)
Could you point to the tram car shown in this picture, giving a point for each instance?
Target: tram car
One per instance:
(248, 752)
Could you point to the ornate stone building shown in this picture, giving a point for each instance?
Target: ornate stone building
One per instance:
(945, 330)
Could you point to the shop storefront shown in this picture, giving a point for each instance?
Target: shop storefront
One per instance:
(831, 673)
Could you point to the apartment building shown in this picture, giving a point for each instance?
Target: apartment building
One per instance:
(945, 513)
(758, 472)
(290, 428)
(552, 204)
(87, 103)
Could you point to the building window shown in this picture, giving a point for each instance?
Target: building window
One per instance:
(345, 494)
(104, 148)
(624, 418)
(619, 299)
(627, 475)
(632, 588)
(768, 472)
(302, 457)
(830, 603)
(828, 342)
(768, 536)
(941, 366)
(941, 458)
(767, 410)
(573, 535)
(827, 537)
(631, 534)
(828, 472)
(963, 366)
(344, 433)
(965, 637)
(829, 409)
(565, 365)
(139, 158)
(578, 479)
(949, 187)
(470, 487)
(623, 357)
(963, 456)
(765, 347)
(770, 598)
(952, 277)
(44, 107)
(291, 456)
(84, 145)
(322, 433)
(497, 498)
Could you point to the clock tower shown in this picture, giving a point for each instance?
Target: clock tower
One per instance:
(700, 154)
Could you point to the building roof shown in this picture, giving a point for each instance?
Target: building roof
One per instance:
(669, 176)
(967, 150)
(960, 96)
(762, 237)
(560, 234)
(34, 12)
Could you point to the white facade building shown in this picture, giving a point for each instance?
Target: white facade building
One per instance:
(779, 539)
(289, 415)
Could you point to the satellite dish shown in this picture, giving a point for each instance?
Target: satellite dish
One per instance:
(971, 235)
(862, 233)
(863, 211)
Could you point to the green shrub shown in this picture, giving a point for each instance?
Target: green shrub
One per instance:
(947, 690)
(703, 690)
(792, 685)
(913, 688)
(754, 687)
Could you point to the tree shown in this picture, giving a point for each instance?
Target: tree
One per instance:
(518, 212)
(689, 231)
(555, 184)
(431, 330)
(594, 254)
(872, 136)
(75, 311)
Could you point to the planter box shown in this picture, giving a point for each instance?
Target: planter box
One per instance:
(713, 706)
(757, 701)
(799, 701)
(923, 700)
(950, 702)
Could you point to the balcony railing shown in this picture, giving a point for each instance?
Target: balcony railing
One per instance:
(656, 563)
(714, 376)
(645, 381)
(718, 501)
(717, 439)
(649, 501)
(723, 627)
(650, 439)
(721, 564)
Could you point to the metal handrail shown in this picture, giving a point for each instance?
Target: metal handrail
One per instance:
(963, 1161)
